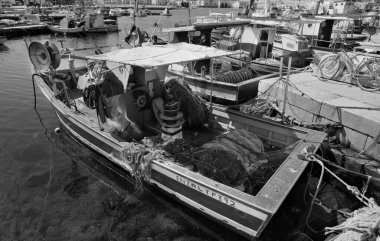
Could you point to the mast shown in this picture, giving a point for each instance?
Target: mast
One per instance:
(136, 11)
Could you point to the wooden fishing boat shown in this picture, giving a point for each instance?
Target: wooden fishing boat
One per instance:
(133, 81)
(60, 30)
(67, 26)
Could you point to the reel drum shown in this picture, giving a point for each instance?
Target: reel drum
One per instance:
(44, 56)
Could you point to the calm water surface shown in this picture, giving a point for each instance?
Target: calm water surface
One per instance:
(51, 187)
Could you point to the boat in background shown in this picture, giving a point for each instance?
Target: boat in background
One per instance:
(166, 12)
(68, 26)
(95, 23)
(115, 12)
(136, 12)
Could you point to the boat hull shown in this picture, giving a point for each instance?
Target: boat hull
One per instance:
(59, 30)
(103, 30)
(245, 214)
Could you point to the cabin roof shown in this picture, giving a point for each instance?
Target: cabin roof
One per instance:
(153, 56)
(178, 29)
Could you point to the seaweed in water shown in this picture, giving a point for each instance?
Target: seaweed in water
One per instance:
(76, 184)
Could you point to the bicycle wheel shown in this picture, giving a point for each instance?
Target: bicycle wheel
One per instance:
(329, 67)
(368, 76)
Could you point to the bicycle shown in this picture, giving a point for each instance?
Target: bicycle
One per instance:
(366, 75)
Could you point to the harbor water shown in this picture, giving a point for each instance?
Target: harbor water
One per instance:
(52, 187)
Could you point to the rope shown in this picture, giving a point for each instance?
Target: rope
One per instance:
(354, 190)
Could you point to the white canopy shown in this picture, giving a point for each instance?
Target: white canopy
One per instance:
(153, 56)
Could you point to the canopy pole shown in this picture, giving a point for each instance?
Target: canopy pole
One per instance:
(286, 90)
(212, 79)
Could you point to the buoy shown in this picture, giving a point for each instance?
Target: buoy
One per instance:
(57, 130)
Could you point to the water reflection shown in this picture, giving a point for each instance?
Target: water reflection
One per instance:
(3, 48)
(76, 183)
(122, 213)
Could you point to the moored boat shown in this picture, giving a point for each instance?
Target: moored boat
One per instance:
(120, 108)
(95, 23)
(67, 26)
(166, 12)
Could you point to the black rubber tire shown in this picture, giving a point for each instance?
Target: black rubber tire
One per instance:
(367, 77)
(329, 67)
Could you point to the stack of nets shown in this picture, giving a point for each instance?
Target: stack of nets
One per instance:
(230, 158)
(237, 159)
(362, 225)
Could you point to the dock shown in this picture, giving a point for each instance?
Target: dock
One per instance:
(312, 100)
(24, 30)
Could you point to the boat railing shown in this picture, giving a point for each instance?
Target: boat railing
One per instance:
(198, 20)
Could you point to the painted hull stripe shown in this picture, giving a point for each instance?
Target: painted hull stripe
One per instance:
(100, 144)
(239, 203)
(224, 220)
(211, 203)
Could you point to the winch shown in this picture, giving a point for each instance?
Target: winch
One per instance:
(172, 120)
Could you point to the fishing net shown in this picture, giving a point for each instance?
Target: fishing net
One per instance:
(259, 107)
(237, 159)
(139, 157)
(192, 106)
(362, 225)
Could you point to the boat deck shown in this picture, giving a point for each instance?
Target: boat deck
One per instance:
(312, 100)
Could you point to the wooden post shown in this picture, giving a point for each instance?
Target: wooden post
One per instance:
(286, 89)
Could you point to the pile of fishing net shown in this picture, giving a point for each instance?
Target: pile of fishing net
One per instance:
(230, 157)
(364, 224)
(260, 107)
(139, 158)
(193, 107)
(237, 159)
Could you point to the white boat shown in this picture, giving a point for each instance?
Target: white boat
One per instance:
(95, 23)
(115, 12)
(166, 12)
(130, 104)
(67, 26)
(3, 39)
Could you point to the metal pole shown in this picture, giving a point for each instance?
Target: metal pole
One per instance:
(281, 64)
(286, 89)
(212, 79)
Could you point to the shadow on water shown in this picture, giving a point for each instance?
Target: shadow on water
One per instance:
(3, 48)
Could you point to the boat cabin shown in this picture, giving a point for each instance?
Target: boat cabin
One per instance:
(257, 39)
(343, 6)
(67, 22)
(322, 30)
(94, 20)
